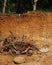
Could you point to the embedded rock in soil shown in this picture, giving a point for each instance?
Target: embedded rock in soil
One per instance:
(44, 49)
(19, 60)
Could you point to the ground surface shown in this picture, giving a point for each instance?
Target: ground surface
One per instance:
(34, 28)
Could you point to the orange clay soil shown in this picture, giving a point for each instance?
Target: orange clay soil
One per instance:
(36, 27)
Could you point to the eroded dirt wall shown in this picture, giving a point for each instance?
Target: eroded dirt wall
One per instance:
(35, 26)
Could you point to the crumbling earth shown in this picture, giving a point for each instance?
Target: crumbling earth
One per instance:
(14, 52)
(26, 39)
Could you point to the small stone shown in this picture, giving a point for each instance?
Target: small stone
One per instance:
(19, 60)
(30, 52)
(44, 49)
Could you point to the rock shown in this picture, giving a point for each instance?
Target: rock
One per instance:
(30, 52)
(44, 49)
(19, 60)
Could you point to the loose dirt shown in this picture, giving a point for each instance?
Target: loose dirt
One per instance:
(28, 36)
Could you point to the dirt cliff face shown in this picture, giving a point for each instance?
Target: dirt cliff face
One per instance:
(35, 26)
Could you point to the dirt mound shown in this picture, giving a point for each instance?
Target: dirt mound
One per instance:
(27, 36)
(36, 26)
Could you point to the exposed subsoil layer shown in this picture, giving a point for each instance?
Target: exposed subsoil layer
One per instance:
(34, 28)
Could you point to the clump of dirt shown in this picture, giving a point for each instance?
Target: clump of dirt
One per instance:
(11, 45)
